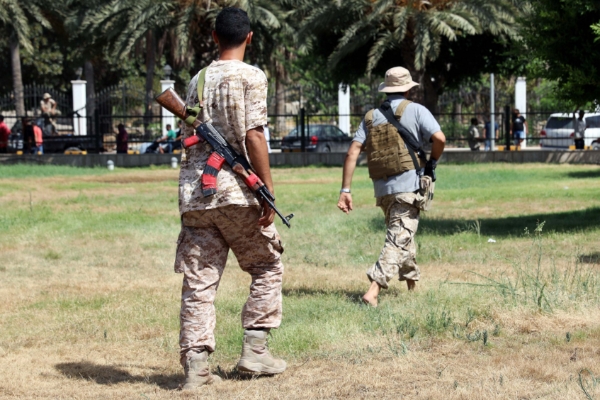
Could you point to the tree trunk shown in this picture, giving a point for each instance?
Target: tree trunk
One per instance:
(150, 64)
(90, 88)
(457, 111)
(15, 58)
(280, 127)
(430, 93)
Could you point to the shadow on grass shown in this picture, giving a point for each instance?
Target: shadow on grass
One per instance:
(353, 296)
(569, 221)
(593, 258)
(114, 374)
(595, 173)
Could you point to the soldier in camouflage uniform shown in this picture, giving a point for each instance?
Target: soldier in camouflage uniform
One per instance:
(234, 101)
(397, 188)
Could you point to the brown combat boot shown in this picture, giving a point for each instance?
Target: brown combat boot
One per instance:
(197, 373)
(256, 356)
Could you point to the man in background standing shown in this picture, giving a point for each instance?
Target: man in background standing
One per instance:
(473, 136)
(39, 140)
(489, 134)
(579, 126)
(519, 125)
(122, 139)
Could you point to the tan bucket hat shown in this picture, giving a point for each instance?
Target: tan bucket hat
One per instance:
(47, 96)
(397, 80)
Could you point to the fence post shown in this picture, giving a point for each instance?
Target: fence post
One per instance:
(167, 116)
(344, 108)
(79, 103)
(302, 130)
(99, 138)
(507, 126)
(521, 103)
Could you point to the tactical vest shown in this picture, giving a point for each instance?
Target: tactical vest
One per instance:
(387, 154)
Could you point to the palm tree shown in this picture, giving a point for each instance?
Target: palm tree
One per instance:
(415, 29)
(15, 20)
(125, 23)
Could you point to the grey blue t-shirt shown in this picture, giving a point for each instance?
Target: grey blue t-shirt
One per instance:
(418, 121)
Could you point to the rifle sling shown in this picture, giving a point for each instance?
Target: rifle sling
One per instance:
(411, 144)
(196, 110)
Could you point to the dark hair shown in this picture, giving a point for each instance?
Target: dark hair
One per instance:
(168, 126)
(474, 121)
(232, 27)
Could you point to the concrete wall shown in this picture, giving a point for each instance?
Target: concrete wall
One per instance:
(302, 159)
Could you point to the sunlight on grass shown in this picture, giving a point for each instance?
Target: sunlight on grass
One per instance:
(87, 261)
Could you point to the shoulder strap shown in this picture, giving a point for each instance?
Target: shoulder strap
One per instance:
(412, 144)
(201, 79)
(194, 112)
(401, 107)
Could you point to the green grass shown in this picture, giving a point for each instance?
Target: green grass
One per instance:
(124, 235)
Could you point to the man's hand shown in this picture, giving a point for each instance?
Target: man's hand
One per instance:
(267, 216)
(259, 157)
(345, 202)
(430, 169)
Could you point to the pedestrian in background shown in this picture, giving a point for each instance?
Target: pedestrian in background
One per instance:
(49, 112)
(518, 127)
(489, 134)
(39, 140)
(28, 136)
(168, 139)
(579, 126)
(122, 139)
(4, 135)
(473, 135)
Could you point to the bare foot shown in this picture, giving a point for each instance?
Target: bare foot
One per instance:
(411, 284)
(370, 298)
(370, 301)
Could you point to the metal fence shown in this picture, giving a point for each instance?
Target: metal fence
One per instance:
(289, 132)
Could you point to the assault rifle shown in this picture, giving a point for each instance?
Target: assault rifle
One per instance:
(222, 152)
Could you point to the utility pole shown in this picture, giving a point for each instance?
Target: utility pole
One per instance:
(492, 113)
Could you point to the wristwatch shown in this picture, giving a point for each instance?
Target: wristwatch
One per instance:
(344, 190)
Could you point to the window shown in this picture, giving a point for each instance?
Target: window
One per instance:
(559, 123)
(593, 122)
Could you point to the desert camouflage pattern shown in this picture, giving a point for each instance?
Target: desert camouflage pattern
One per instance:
(235, 101)
(398, 256)
(205, 239)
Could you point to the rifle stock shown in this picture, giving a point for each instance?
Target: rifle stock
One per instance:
(171, 101)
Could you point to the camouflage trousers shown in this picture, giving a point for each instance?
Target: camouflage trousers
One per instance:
(398, 256)
(204, 242)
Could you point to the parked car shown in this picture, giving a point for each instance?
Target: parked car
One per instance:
(559, 131)
(318, 138)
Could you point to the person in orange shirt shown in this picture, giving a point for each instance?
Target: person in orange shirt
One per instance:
(4, 134)
(39, 140)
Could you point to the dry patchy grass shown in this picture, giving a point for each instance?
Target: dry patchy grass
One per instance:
(89, 304)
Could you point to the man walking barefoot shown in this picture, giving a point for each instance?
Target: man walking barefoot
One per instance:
(397, 181)
(234, 100)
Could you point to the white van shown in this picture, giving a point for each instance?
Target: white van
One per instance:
(559, 131)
